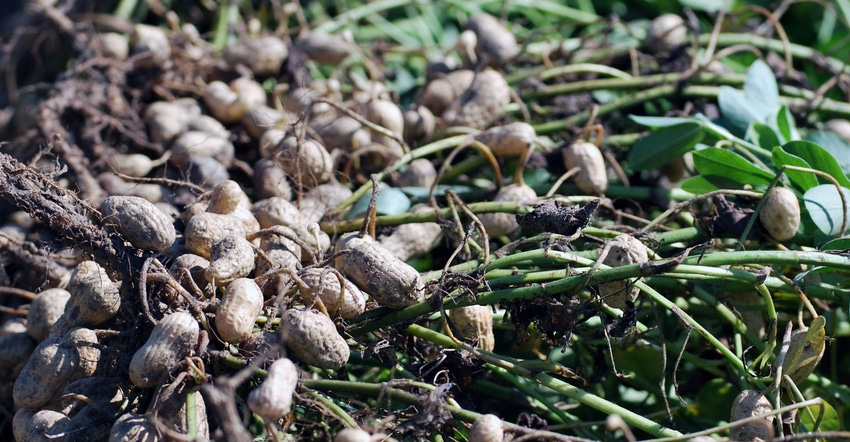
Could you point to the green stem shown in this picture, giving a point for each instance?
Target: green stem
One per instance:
(561, 387)
(346, 419)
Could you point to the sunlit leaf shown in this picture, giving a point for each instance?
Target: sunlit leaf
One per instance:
(721, 162)
(835, 145)
(824, 206)
(803, 180)
(819, 158)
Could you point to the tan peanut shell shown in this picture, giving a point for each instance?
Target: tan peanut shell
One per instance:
(321, 199)
(240, 306)
(624, 250)
(44, 311)
(494, 40)
(419, 173)
(592, 177)
(482, 103)
(306, 161)
(270, 180)
(487, 428)
(140, 222)
(222, 102)
(15, 351)
(498, 224)
(96, 297)
(206, 228)
(780, 214)
(412, 240)
(507, 140)
(273, 398)
(751, 403)
(325, 283)
(442, 91)
(133, 427)
(475, 322)
(166, 120)
(839, 127)
(388, 280)
(278, 211)
(419, 124)
(312, 338)
(194, 144)
(231, 257)
(30, 425)
(344, 133)
(191, 266)
(666, 33)
(172, 339)
(388, 115)
(172, 408)
(324, 48)
(262, 54)
(353, 435)
(151, 44)
(226, 197)
(55, 362)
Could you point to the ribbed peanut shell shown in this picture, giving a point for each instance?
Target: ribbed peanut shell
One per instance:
(140, 222)
(592, 177)
(240, 306)
(172, 339)
(312, 338)
(390, 281)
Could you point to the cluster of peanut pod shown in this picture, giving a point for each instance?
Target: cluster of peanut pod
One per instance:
(241, 266)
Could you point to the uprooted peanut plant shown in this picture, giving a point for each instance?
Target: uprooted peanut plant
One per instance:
(404, 221)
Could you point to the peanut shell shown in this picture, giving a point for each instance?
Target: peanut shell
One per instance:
(312, 338)
(240, 306)
(273, 398)
(624, 250)
(140, 222)
(325, 284)
(780, 214)
(592, 177)
(390, 281)
(171, 340)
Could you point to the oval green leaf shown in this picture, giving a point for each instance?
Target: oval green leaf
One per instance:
(835, 145)
(824, 206)
(391, 201)
(819, 158)
(803, 180)
(721, 162)
(763, 136)
(665, 144)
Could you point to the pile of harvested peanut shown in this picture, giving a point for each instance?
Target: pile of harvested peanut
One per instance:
(191, 240)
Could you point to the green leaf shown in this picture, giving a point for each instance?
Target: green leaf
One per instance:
(760, 86)
(829, 421)
(836, 244)
(658, 121)
(763, 136)
(824, 206)
(698, 185)
(804, 181)
(721, 162)
(759, 100)
(785, 125)
(665, 144)
(715, 399)
(819, 158)
(391, 201)
(835, 145)
(701, 184)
